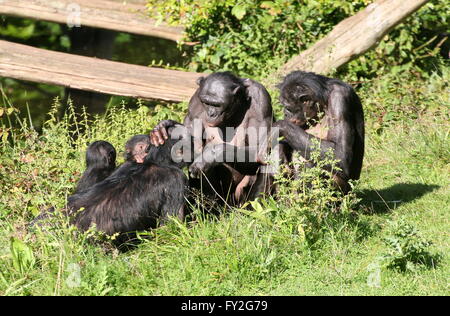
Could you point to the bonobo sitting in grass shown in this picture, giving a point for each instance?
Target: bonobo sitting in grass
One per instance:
(327, 111)
(100, 163)
(230, 119)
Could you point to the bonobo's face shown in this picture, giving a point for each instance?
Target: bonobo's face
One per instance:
(299, 108)
(219, 98)
(136, 148)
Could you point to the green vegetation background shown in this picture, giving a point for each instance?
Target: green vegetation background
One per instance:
(390, 237)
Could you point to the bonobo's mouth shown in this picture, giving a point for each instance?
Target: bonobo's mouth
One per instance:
(215, 119)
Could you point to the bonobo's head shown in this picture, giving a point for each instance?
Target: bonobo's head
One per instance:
(101, 154)
(136, 148)
(177, 150)
(304, 96)
(221, 95)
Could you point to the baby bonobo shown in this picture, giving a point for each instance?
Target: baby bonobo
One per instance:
(137, 196)
(100, 163)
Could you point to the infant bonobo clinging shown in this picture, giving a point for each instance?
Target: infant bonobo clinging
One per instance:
(100, 163)
(137, 196)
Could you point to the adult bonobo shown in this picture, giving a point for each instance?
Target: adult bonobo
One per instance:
(326, 109)
(230, 119)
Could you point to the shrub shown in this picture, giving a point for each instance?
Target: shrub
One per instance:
(407, 248)
(253, 38)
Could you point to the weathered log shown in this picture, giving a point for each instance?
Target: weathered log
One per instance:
(129, 16)
(27, 63)
(353, 36)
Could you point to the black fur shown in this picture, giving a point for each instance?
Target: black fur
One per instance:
(100, 163)
(137, 196)
(310, 99)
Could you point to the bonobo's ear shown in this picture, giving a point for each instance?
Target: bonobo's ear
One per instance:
(200, 81)
(236, 89)
(246, 82)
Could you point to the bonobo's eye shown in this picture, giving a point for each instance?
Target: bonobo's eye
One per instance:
(303, 99)
(288, 112)
(212, 105)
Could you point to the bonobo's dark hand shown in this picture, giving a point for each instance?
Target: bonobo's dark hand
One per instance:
(281, 125)
(205, 161)
(159, 134)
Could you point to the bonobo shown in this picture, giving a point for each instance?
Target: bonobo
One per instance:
(328, 110)
(100, 163)
(230, 119)
(136, 148)
(137, 196)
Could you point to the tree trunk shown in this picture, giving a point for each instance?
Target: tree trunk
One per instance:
(353, 36)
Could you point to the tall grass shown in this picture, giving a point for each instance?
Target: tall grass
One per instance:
(306, 240)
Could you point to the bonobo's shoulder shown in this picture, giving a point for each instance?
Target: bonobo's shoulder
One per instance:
(261, 102)
(252, 84)
(339, 86)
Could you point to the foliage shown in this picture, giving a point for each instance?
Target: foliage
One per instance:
(402, 97)
(407, 248)
(307, 241)
(308, 199)
(253, 38)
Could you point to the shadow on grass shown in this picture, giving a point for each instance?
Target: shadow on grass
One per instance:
(388, 199)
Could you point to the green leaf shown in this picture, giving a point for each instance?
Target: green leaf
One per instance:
(239, 11)
(22, 255)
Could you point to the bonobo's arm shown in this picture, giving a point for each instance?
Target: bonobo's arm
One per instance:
(341, 133)
(243, 159)
(246, 160)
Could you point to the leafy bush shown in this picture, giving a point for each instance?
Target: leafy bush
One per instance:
(307, 204)
(51, 162)
(407, 248)
(253, 38)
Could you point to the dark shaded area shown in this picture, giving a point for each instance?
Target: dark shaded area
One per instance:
(34, 100)
(90, 42)
(385, 200)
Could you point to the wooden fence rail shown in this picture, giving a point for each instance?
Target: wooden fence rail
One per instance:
(28, 63)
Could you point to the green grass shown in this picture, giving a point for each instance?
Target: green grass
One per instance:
(265, 252)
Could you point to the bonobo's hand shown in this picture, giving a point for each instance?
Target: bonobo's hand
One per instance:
(281, 125)
(206, 161)
(159, 134)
